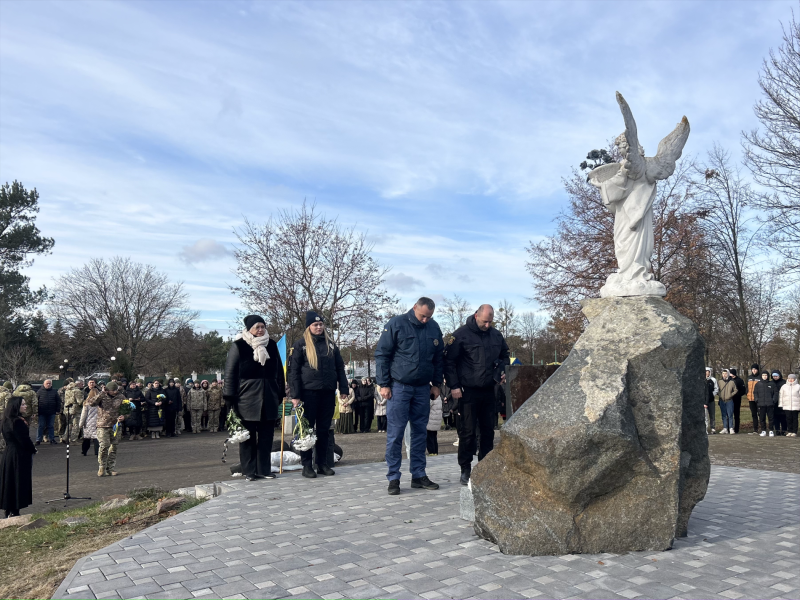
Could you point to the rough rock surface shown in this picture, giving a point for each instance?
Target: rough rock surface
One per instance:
(116, 503)
(610, 454)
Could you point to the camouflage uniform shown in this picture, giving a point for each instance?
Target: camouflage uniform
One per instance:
(73, 403)
(61, 418)
(32, 402)
(214, 405)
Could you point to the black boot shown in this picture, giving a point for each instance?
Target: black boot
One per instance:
(325, 470)
(465, 473)
(308, 471)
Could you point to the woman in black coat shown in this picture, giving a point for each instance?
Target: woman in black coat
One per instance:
(16, 475)
(254, 387)
(134, 420)
(315, 370)
(155, 423)
(172, 407)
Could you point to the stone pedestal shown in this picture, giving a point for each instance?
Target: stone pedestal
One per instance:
(610, 455)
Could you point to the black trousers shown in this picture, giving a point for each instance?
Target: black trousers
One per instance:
(365, 416)
(791, 420)
(318, 407)
(780, 420)
(432, 443)
(169, 422)
(763, 413)
(711, 411)
(737, 409)
(381, 422)
(255, 453)
(477, 411)
(754, 414)
(87, 443)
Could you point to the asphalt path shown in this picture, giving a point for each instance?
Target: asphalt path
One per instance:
(168, 463)
(192, 459)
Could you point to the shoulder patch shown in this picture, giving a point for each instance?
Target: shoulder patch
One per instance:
(451, 339)
(435, 342)
(291, 350)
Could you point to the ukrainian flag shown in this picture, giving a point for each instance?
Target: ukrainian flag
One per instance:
(282, 352)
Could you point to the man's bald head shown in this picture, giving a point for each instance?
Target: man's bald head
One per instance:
(484, 317)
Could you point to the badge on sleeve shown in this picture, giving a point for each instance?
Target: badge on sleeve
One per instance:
(435, 342)
(451, 339)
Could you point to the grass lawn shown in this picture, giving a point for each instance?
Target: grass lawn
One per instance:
(33, 563)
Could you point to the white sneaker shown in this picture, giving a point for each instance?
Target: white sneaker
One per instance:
(763, 434)
(455, 443)
(725, 430)
(732, 432)
(771, 434)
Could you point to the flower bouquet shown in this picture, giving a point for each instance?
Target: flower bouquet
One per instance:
(236, 431)
(126, 408)
(304, 436)
(161, 398)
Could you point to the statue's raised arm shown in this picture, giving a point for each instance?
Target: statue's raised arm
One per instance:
(628, 190)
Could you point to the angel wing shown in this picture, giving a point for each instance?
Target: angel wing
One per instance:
(662, 165)
(634, 162)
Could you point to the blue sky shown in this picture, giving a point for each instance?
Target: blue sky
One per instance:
(442, 129)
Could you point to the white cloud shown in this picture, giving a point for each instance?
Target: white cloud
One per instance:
(202, 251)
(402, 282)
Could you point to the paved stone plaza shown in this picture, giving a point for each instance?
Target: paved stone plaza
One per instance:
(344, 537)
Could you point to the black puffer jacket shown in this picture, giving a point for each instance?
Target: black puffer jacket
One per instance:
(328, 375)
(173, 403)
(764, 392)
(49, 402)
(472, 355)
(254, 390)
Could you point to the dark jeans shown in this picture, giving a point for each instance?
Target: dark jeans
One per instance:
(754, 415)
(408, 404)
(255, 453)
(763, 413)
(169, 422)
(381, 422)
(737, 408)
(432, 442)
(46, 422)
(318, 407)
(791, 420)
(477, 411)
(87, 443)
(365, 416)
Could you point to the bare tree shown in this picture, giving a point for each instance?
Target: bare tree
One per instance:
(453, 314)
(531, 326)
(20, 363)
(773, 154)
(505, 318)
(300, 260)
(730, 233)
(124, 304)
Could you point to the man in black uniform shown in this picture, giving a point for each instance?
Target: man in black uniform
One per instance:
(474, 361)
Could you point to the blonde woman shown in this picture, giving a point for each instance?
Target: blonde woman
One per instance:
(315, 370)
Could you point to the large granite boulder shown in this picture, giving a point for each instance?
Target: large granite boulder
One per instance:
(610, 454)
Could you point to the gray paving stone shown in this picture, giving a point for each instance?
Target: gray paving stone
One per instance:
(352, 541)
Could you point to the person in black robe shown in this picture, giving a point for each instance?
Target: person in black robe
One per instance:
(16, 475)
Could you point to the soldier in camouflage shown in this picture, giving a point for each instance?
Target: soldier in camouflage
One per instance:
(61, 417)
(214, 405)
(32, 404)
(73, 403)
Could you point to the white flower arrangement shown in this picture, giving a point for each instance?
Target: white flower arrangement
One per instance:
(236, 432)
(304, 436)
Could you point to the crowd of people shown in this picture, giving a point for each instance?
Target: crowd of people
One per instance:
(774, 402)
(423, 383)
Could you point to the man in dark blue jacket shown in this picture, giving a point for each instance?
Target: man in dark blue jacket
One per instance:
(408, 365)
(49, 407)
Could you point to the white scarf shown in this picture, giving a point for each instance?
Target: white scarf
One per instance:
(258, 344)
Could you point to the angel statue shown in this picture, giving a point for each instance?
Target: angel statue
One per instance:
(628, 190)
